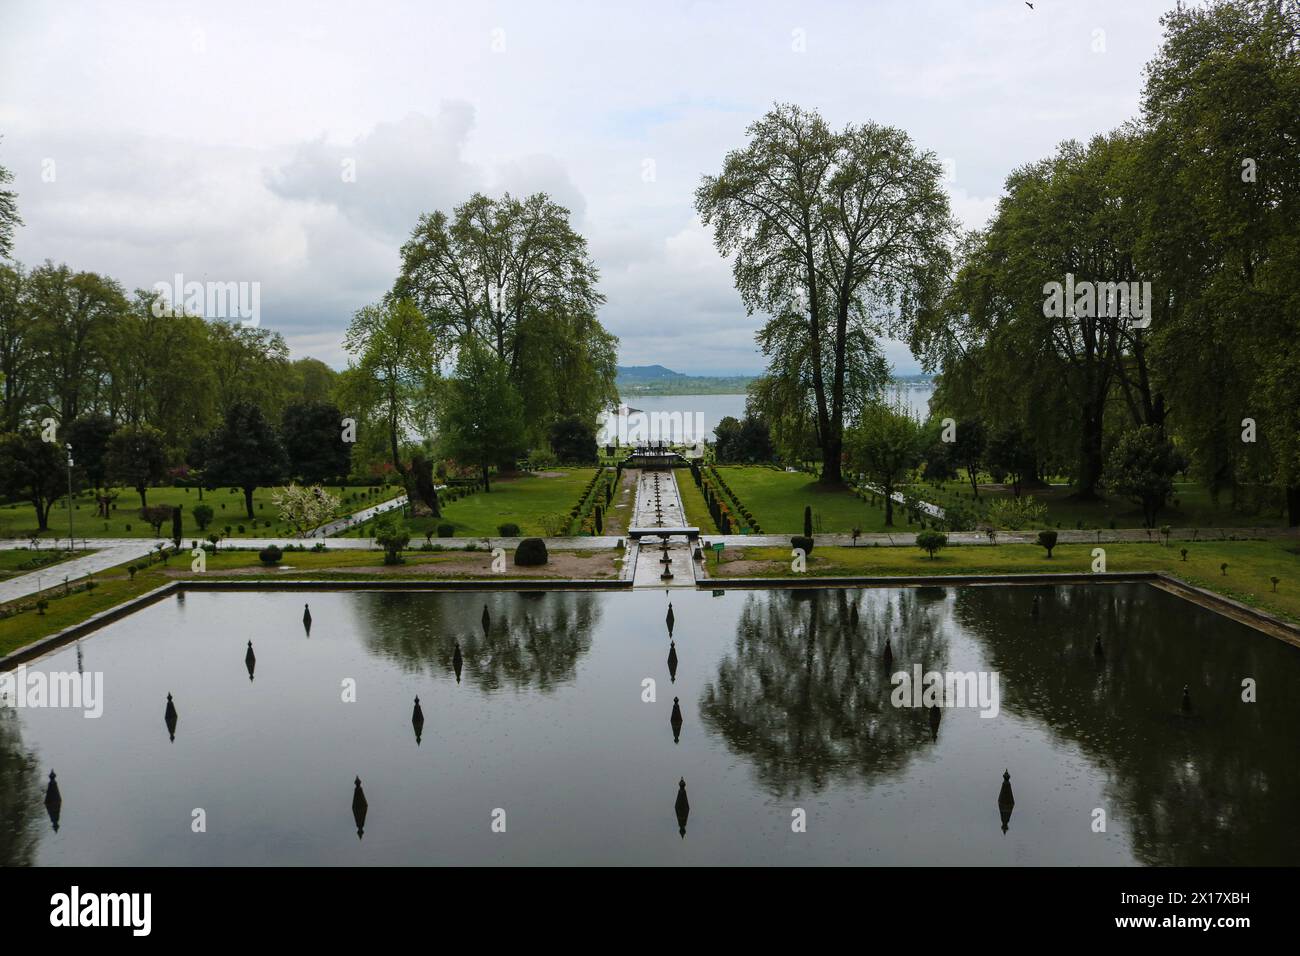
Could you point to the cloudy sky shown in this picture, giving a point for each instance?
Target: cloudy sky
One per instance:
(211, 139)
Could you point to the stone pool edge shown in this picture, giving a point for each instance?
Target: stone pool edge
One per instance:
(109, 615)
(1260, 620)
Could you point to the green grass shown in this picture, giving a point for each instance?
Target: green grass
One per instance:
(777, 500)
(13, 559)
(19, 520)
(1194, 508)
(1250, 565)
(521, 500)
(696, 511)
(115, 585)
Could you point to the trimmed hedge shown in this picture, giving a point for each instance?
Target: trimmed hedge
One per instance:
(531, 552)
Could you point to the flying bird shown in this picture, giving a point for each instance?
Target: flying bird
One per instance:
(1029, 5)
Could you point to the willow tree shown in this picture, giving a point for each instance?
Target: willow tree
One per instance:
(841, 237)
(514, 275)
(392, 375)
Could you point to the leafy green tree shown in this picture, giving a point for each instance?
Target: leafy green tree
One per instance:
(482, 417)
(1010, 451)
(9, 219)
(33, 470)
(244, 452)
(830, 232)
(743, 440)
(73, 316)
(19, 359)
(89, 436)
(931, 542)
(573, 440)
(137, 458)
(884, 446)
(392, 376)
(968, 449)
(391, 534)
(202, 516)
(513, 274)
(1142, 467)
(312, 433)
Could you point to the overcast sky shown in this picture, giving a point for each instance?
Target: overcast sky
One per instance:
(210, 139)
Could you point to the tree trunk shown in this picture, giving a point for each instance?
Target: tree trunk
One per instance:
(248, 500)
(1293, 506)
(143, 491)
(42, 514)
(889, 505)
(486, 487)
(832, 469)
(1090, 465)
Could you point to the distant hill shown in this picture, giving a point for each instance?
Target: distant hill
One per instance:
(657, 380)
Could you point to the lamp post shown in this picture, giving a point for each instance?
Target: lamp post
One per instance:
(72, 545)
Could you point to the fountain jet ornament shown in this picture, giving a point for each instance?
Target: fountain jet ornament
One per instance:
(250, 660)
(169, 718)
(53, 801)
(359, 808)
(676, 721)
(306, 619)
(672, 661)
(682, 807)
(487, 620)
(417, 720)
(1006, 801)
(457, 661)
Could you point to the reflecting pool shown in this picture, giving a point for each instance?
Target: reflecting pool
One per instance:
(771, 737)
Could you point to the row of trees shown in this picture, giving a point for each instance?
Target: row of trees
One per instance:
(845, 236)
(1200, 196)
(244, 451)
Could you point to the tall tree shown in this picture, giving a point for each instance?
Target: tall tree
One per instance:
(33, 470)
(244, 452)
(89, 435)
(19, 358)
(73, 315)
(9, 220)
(840, 236)
(393, 373)
(481, 421)
(137, 458)
(885, 446)
(312, 433)
(513, 274)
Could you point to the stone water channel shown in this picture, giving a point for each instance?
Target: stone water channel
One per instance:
(659, 505)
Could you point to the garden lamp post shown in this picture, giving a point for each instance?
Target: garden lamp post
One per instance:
(71, 542)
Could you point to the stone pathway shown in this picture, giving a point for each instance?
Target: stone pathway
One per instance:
(659, 505)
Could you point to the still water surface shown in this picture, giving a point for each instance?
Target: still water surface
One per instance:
(784, 703)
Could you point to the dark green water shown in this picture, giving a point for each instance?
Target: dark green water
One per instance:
(785, 705)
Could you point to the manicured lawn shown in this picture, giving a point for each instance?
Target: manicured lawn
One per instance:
(1194, 508)
(777, 499)
(115, 585)
(1250, 565)
(18, 561)
(697, 513)
(521, 499)
(19, 520)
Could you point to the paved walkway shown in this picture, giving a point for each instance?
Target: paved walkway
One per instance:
(342, 524)
(659, 505)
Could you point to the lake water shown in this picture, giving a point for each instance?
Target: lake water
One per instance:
(689, 418)
(785, 706)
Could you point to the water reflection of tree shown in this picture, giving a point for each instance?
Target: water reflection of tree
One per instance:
(1218, 787)
(535, 639)
(20, 795)
(805, 694)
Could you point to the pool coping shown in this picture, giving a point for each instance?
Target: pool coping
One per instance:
(1255, 618)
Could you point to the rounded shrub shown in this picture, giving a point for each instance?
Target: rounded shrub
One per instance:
(446, 530)
(270, 555)
(802, 541)
(508, 530)
(531, 552)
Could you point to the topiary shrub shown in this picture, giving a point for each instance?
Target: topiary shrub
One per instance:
(802, 541)
(531, 552)
(508, 530)
(270, 555)
(1047, 539)
(446, 530)
(931, 541)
